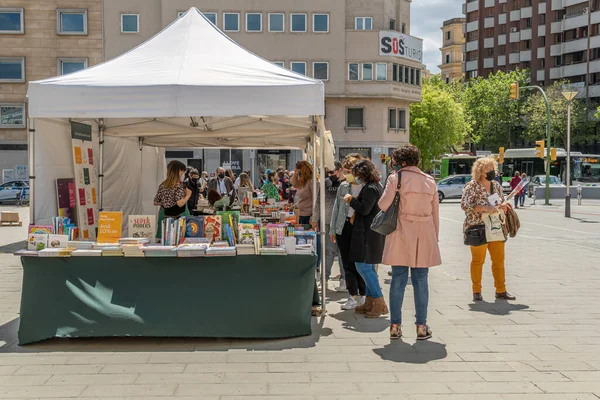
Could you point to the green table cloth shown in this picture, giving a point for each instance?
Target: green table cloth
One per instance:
(226, 297)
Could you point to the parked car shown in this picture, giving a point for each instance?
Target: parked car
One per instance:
(452, 186)
(540, 180)
(506, 189)
(9, 190)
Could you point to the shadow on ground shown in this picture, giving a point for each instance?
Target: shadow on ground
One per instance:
(499, 307)
(13, 247)
(9, 342)
(420, 352)
(359, 323)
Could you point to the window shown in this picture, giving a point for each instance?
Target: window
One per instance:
(381, 71)
(253, 22)
(11, 20)
(298, 22)
(12, 69)
(395, 72)
(299, 67)
(321, 23)
(353, 72)
(418, 77)
(528, 22)
(68, 65)
(12, 115)
(363, 23)
(321, 70)
(527, 44)
(542, 19)
(412, 76)
(280, 63)
(71, 22)
(355, 117)
(212, 17)
(396, 118)
(400, 74)
(130, 23)
(367, 72)
(448, 35)
(231, 22)
(406, 74)
(447, 58)
(401, 119)
(403, 28)
(392, 24)
(276, 22)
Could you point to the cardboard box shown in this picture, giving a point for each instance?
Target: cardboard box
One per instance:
(9, 216)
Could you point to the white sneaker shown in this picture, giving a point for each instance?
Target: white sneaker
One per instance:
(361, 300)
(351, 304)
(342, 287)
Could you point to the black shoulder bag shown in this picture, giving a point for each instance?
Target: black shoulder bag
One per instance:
(475, 236)
(385, 222)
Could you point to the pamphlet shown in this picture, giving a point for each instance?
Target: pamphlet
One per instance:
(110, 225)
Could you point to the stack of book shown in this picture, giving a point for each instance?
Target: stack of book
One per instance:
(58, 252)
(245, 249)
(220, 249)
(86, 253)
(304, 249)
(192, 250)
(80, 245)
(133, 247)
(160, 251)
(272, 251)
(112, 251)
(27, 253)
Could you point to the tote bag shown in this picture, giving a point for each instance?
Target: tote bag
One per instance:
(493, 227)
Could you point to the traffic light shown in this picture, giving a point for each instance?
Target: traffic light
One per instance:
(501, 156)
(539, 149)
(514, 91)
(553, 154)
(382, 156)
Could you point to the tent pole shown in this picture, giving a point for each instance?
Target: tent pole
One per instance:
(101, 172)
(322, 237)
(31, 161)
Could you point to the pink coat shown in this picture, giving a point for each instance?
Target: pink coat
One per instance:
(414, 243)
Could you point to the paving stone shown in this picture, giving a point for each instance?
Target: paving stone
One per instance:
(129, 390)
(222, 389)
(229, 367)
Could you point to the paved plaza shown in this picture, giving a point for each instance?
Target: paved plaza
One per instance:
(544, 346)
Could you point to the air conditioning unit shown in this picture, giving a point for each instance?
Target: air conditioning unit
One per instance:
(585, 10)
(513, 30)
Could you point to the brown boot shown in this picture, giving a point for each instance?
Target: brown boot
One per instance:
(379, 308)
(365, 308)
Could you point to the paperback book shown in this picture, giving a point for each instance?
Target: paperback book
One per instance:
(142, 226)
(212, 227)
(194, 227)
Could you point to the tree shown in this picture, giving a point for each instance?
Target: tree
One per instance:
(437, 123)
(494, 117)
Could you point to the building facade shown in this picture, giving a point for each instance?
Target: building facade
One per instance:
(371, 67)
(39, 39)
(556, 39)
(453, 39)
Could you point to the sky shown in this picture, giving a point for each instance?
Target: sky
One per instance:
(427, 17)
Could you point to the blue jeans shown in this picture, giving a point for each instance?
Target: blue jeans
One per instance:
(420, 288)
(367, 271)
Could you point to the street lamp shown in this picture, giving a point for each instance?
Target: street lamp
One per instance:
(569, 95)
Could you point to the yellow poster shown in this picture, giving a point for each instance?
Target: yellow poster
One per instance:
(93, 195)
(110, 225)
(78, 158)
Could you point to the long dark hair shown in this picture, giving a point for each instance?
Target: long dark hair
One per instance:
(174, 169)
(366, 172)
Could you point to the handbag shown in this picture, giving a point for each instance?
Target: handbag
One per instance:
(385, 222)
(493, 226)
(475, 236)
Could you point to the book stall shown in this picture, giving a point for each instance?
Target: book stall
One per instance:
(96, 146)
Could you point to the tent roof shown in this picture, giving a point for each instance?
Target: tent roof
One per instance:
(188, 69)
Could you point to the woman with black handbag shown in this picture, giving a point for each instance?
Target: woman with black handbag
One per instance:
(478, 195)
(414, 242)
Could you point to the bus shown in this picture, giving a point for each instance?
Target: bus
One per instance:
(456, 164)
(525, 160)
(586, 169)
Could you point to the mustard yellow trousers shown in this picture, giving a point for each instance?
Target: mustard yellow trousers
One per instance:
(478, 254)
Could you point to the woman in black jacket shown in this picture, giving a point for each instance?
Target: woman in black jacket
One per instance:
(366, 248)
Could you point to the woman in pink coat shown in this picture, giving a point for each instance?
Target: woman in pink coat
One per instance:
(414, 243)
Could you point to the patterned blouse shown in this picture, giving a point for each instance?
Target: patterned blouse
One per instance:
(475, 194)
(271, 191)
(168, 197)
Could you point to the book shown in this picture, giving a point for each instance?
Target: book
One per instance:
(142, 226)
(246, 233)
(26, 253)
(86, 253)
(212, 227)
(55, 253)
(46, 229)
(231, 218)
(37, 241)
(58, 241)
(194, 227)
(245, 249)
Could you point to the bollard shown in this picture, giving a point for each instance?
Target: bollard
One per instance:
(579, 194)
(533, 197)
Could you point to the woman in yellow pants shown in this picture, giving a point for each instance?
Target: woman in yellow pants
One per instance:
(475, 201)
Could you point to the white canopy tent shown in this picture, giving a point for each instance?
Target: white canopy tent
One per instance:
(188, 86)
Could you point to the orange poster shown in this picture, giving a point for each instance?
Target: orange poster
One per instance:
(110, 225)
(93, 195)
(78, 158)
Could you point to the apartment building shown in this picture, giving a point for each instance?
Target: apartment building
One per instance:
(361, 50)
(453, 40)
(556, 39)
(39, 39)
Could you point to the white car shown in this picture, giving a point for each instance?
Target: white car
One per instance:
(452, 186)
(540, 180)
(9, 190)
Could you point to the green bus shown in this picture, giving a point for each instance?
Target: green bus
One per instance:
(456, 164)
(525, 160)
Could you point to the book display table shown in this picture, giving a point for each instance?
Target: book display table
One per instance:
(225, 297)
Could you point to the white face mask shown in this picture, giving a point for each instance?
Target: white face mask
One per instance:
(182, 176)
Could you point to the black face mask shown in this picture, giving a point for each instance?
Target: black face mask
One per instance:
(221, 176)
(195, 180)
(333, 178)
(490, 176)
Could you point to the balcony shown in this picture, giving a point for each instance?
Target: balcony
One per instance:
(542, 8)
(575, 21)
(514, 58)
(488, 43)
(502, 19)
(471, 65)
(541, 52)
(556, 27)
(594, 91)
(472, 46)
(501, 40)
(570, 70)
(542, 29)
(569, 3)
(489, 3)
(488, 62)
(501, 61)
(488, 22)
(525, 56)
(384, 89)
(557, 5)
(574, 46)
(515, 15)
(541, 74)
(526, 12)
(594, 66)
(472, 26)
(472, 6)
(515, 37)
(526, 34)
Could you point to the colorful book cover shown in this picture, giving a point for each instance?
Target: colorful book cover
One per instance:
(195, 226)
(235, 217)
(78, 157)
(66, 199)
(93, 195)
(246, 233)
(142, 226)
(91, 156)
(90, 215)
(110, 225)
(86, 176)
(213, 227)
(58, 241)
(40, 229)
(82, 197)
(37, 241)
(229, 235)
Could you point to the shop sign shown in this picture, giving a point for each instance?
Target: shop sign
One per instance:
(400, 45)
(81, 131)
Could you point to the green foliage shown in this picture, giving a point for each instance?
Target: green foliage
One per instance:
(438, 122)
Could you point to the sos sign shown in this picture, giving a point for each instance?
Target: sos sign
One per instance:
(400, 45)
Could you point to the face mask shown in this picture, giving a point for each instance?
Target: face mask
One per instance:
(221, 176)
(333, 178)
(490, 176)
(194, 179)
(350, 178)
(396, 167)
(181, 177)
(357, 180)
